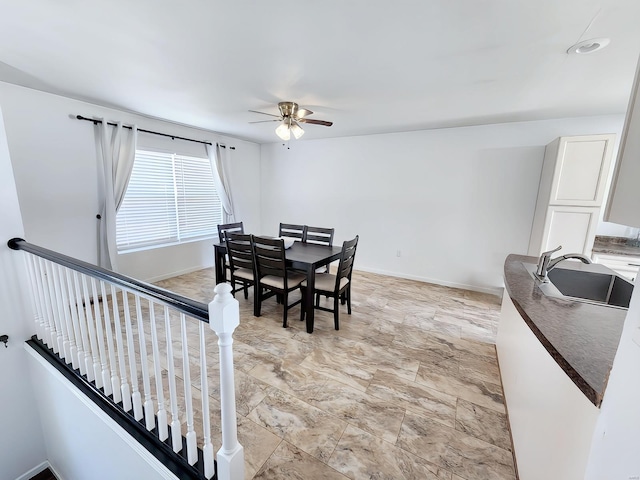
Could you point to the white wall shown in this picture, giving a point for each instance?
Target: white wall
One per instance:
(616, 442)
(54, 161)
(82, 441)
(21, 445)
(455, 202)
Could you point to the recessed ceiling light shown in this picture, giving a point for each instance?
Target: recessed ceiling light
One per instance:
(589, 46)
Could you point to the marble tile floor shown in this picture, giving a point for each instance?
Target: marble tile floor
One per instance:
(408, 388)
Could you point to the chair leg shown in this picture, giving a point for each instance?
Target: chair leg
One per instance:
(246, 290)
(348, 293)
(336, 313)
(233, 287)
(302, 305)
(285, 308)
(257, 300)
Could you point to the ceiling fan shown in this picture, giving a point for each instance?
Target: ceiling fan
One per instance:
(290, 117)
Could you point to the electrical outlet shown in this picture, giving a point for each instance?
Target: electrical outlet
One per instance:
(398, 253)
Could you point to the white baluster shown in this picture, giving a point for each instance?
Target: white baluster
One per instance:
(66, 308)
(125, 391)
(73, 305)
(149, 419)
(57, 317)
(207, 449)
(106, 375)
(37, 316)
(176, 430)
(95, 373)
(86, 347)
(192, 448)
(46, 318)
(163, 431)
(35, 295)
(115, 380)
(135, 395)
(224, 317)
(47, 290)
(60, 308)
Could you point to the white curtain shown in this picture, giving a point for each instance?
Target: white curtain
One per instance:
(220, 181)
(116, 151)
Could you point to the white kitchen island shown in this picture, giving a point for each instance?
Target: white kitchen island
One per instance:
(555, 356)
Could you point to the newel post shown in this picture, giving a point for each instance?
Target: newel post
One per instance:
(224, 317)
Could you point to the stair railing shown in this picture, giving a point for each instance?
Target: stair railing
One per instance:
(139, 345)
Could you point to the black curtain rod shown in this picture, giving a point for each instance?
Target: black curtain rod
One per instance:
(173, 137)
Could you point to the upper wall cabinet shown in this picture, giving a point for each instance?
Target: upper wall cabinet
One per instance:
(574, 177)
(580, 169)
(623, 206)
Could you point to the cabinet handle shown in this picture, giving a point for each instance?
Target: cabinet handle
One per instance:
(634, 264)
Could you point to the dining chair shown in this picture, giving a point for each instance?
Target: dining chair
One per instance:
(337, 286)
(319, 236)
(241, 266)
(272, 275)
(292, 231)
(223, 230)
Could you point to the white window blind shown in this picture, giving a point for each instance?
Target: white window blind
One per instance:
(170, 199)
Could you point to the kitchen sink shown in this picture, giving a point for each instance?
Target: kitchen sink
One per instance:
(592, 283)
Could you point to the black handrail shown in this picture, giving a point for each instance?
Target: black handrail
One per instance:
(186, 305)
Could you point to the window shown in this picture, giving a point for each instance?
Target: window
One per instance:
(170, 199)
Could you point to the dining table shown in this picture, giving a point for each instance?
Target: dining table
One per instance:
(301, 256)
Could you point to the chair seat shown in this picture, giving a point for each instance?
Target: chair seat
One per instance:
(243, 273)
(293, 280)
(327, 282)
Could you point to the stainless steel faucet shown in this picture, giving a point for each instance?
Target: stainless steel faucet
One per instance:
(546, 263)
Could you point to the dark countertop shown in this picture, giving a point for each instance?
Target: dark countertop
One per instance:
(581, 337)
(616, 246)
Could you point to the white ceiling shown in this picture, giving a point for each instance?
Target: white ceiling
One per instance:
(369, 66)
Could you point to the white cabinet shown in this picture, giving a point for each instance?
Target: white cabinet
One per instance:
(625, 265)
(572, 184)
(572, 227)
(623, 206)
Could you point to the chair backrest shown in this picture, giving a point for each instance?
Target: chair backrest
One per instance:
(225, 228)
(239, 251)
(319, 235)
(345, 268)
(268, 256)
(292, 231)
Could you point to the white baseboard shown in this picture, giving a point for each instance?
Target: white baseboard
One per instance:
(490, 290)
(35, 470)
(176, 274)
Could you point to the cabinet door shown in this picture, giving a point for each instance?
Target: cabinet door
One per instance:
(582, 170)
(572, 227)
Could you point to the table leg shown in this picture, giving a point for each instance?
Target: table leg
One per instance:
(219, 265)
(308, 300)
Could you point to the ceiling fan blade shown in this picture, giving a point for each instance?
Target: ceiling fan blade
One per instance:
(263, 121)
(262, 113)
(303, 112)
(315, 122)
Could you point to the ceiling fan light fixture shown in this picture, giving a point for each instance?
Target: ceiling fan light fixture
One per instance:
(283, 131)
(296, 129)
